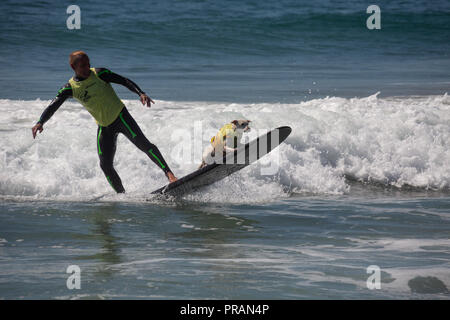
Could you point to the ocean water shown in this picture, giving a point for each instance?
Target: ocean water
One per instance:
(234, 51)
(363, 180)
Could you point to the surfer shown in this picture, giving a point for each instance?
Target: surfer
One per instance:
(92, 88)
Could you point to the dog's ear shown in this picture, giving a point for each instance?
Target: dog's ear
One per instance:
(249, 121)
(235, 122)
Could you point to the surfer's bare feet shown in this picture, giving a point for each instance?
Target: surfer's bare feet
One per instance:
(171, 177)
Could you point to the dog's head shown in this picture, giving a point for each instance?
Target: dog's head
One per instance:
(241, 125)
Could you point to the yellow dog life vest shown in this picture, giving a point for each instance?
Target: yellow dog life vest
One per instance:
(218, 141)
(98, 97)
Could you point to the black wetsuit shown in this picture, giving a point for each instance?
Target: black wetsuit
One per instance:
(107, 136)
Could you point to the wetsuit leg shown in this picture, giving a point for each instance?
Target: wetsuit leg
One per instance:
(131, 130)
(106, 149)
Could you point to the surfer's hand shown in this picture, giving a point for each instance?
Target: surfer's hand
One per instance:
(36, 128)
(146, 100)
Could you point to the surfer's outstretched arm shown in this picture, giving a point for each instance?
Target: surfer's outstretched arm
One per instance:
(63, 93)
(109, 76)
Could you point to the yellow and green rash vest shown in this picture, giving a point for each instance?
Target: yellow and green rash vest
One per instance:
(226, 132)
(98, 97)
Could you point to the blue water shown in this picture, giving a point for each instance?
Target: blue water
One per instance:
(364, 178)
(241, 51)
(300, 248)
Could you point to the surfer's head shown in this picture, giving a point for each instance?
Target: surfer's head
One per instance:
(79, 61)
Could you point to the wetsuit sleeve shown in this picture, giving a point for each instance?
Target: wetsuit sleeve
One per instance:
(109, 76)
(63, 93)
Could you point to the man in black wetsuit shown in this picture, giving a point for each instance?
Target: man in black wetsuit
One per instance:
(92, 88)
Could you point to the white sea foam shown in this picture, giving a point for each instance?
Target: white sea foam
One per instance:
(392, 141)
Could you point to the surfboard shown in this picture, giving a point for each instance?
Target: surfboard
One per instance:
(229, 164)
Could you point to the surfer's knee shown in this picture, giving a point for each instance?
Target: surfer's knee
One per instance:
(144, 144)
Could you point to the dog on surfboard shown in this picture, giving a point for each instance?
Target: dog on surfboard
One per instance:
(228, 139)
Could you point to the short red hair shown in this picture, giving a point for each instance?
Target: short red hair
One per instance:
(77, 55)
